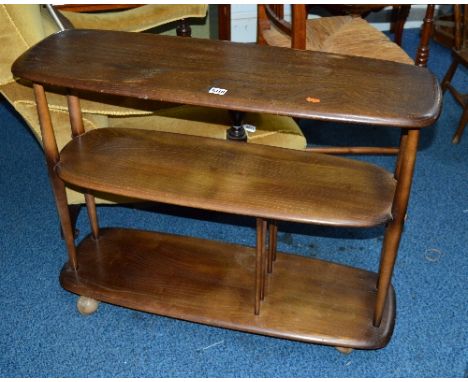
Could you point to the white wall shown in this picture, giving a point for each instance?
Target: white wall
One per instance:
(244, 18)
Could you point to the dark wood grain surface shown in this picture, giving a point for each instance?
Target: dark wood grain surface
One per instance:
(245, 179)
(257, 78)
(213, 283)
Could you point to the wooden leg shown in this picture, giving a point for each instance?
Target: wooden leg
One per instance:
(52, 157)
(77, 128)
(68, 228)
(74, 211)
(224, 22)
(387, 263)
(449, 75)
(183, 29)
(461, 126)
(401, 13)
(395, 227)
(401, 151)
(93, 220)
(273, 231)
(264, 259)
(259, 264)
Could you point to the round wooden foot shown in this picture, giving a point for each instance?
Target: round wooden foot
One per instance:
(344, 350)
(87, 305)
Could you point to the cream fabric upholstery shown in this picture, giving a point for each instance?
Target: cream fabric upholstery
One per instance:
(136, 19)
(21, 26)
(346, 35)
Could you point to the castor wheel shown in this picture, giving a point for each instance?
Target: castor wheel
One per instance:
(86, 305)
(344, 350)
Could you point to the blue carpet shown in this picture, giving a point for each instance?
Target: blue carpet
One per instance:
(42, 335)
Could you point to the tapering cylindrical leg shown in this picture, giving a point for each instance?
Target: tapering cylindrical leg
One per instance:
(449, 75)
(259, 263)
(387, 263)
(273, 231)
(52, 158)
(461, 126)
(92, 214)
(395, 227)
(264, 258)
(77, 128)
(401, 151)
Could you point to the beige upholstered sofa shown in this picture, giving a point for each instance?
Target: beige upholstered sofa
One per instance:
(21, 26)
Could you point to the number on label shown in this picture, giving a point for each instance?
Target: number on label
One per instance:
(217, 91)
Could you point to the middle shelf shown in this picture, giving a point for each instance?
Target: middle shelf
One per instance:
(245, 179)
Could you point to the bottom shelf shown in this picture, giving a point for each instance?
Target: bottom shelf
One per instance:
(213, 283)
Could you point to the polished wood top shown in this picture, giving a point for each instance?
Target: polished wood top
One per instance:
(262, 79)
(246, 179)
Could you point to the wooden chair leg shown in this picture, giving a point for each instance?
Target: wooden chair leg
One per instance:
(224, 22)
(400, 14)
(449, 75)
(461, 126)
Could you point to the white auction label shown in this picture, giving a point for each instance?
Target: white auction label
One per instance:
(217, 91)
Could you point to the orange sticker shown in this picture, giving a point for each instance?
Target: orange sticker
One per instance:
(312, 100)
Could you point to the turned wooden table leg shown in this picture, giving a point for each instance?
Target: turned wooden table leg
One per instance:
(273, 232)
(77, 128)
(264, 258)
(74, 211)
(92, 214)
(58, 187)
(260, 264)
(395, 227)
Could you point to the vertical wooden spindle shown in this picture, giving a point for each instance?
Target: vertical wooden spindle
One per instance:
(273, 231)
(77, 128)
(395, 227)
(264, 259)
(52, 157)
(422, 54)
(259, 261)
(401, 151)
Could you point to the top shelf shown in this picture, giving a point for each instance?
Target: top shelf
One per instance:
(263, 79)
